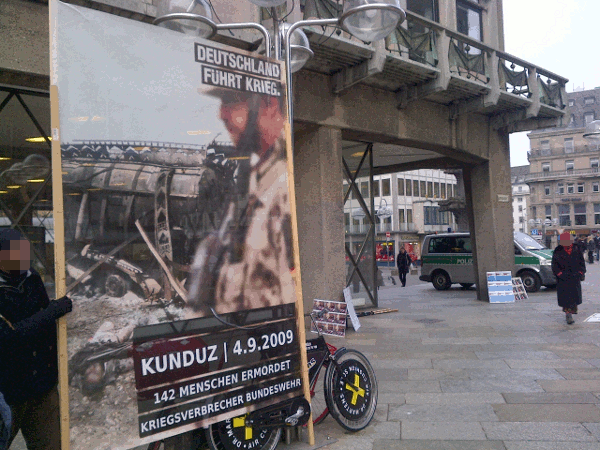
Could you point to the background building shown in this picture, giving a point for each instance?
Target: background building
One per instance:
(520, 196)
(564, 178)
(408, 209)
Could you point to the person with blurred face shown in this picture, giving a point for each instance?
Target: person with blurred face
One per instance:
(28, 354)
(568, 265)
(248, 265)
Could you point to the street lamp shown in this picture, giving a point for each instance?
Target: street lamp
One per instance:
(368, 20)
(592, 131)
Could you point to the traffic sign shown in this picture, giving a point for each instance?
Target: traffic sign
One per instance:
(387, 234)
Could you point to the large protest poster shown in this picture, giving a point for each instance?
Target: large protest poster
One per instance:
(177, 229)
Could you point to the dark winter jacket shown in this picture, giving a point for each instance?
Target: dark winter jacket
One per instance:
(591, 245)
(28, 354)
(403, 262)
(5, 423)
(569, 270)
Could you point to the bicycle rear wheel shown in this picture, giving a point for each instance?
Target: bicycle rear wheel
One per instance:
(232, 434)
(351, 390)
(318, 403)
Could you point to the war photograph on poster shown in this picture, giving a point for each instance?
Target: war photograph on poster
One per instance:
(177, 230)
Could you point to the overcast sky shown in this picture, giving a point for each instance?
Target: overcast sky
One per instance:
(557, 35)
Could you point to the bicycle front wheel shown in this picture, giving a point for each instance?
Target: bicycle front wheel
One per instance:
(233, 434)
(351, 390)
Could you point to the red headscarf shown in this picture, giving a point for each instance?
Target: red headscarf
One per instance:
(567, 237)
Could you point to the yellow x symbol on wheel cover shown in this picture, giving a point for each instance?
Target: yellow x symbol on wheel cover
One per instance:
(355, 392)
(241, 422)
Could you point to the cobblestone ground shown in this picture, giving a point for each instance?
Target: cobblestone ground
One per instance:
(455, 373)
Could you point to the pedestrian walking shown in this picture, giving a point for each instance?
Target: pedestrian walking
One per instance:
(568, 265)
(597, 241)
(28, 354)
(591, 248)
(403, 262)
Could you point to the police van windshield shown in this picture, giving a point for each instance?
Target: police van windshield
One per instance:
(527, 242)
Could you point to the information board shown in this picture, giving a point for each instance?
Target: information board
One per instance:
(500, 287)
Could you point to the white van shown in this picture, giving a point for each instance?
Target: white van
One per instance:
(448, 258)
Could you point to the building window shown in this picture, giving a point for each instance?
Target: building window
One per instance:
(409, 216)
(386, 187)
(375, 188)
(436, 190)
(595, 186)
(532, 190)
(425, 8)
(347, 219)
(545, 147)
(569, 147)
(423, 189)
(415, 188)
(588, 117)
(589, 101)
(564, 215)
(521, 220)
(548, 212)
(520, 208)
(561, 189)
(572, 120)
(533, 211)
(545, 167)
(580, 214)
(596, 213)
(580, 188)
(570, 188)
(401, 216)
(443, 189)
(571, 102)
(364, 189)
(468, 19)
(429, 189)
(409, 187)
(520, 189)
(594, 163)
(433, 216)
(569, 164)
(546, 189)
(520, 199)
(400, 186)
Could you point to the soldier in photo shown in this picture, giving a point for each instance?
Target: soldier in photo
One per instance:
(247, 263)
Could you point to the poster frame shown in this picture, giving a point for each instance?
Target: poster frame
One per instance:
(59, 241)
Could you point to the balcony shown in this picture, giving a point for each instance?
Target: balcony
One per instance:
(381, 228)
(424, 60)
(541, 153)
(560, 174)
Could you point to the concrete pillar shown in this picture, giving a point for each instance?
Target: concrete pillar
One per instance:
(489, 206)
(319, 196)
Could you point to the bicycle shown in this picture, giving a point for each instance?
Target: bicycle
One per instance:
(347, 390)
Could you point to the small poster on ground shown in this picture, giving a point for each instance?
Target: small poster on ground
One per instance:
(500, 287)
(329, 317)
(519, 289)
(593, 318)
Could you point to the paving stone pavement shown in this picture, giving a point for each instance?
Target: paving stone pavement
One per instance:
(455, 373)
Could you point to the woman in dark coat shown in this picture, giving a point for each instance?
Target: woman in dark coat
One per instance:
(403, 262)
(568, 264)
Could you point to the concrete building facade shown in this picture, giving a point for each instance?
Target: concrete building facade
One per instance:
(564, 177)
(439, 93)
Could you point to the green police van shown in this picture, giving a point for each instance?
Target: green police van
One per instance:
(448, 258)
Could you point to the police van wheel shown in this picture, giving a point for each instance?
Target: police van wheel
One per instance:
(531, 281)
(232, 434)
(441, 280)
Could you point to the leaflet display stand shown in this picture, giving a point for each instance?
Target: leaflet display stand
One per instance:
(500, 287)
